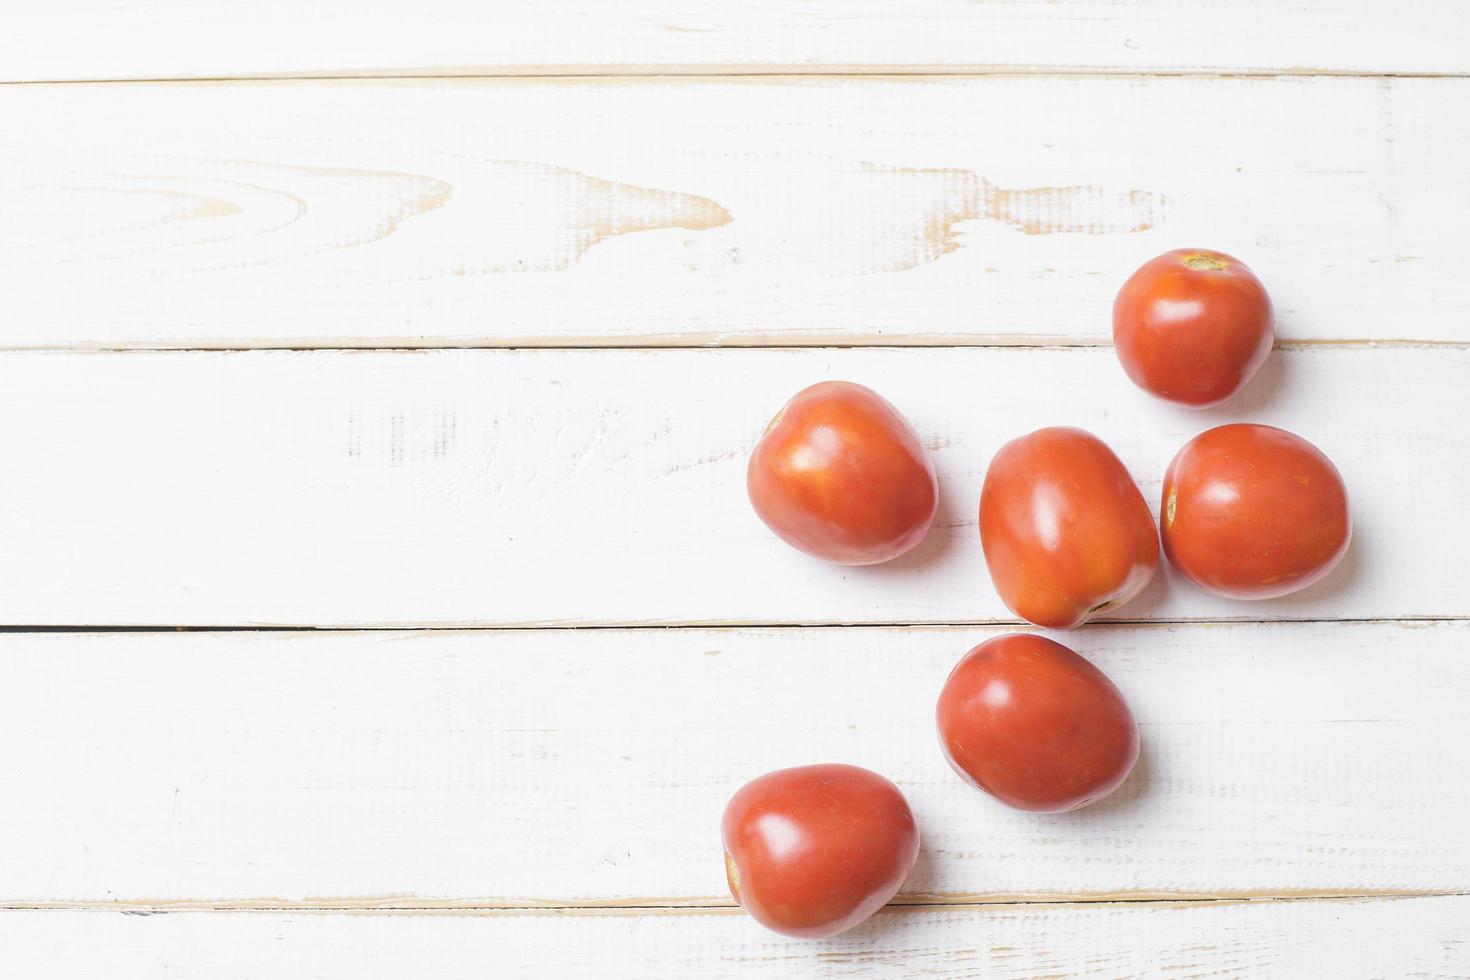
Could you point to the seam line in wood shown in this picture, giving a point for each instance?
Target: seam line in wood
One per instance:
(657, 72)
(633, 906)
(708, 625)
(797, 342)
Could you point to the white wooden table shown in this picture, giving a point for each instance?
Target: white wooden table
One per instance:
(440, 658)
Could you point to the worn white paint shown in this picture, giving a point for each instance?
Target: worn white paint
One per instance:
(524, 790)
(565, 767)
(332, 488)
(146, 39)
(1337, 940)
(970, 210)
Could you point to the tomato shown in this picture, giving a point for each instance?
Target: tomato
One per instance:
(813, 851)
(1192, 326)
(841, 475)
(1035, 725)
(1067, 535)
(1253, 512)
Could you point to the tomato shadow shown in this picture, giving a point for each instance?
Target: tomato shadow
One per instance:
(953, 524)
(1134, 791)
(1318, 598)
(926, 869)
(1154, 596)
(1263, 391)
(894, 916)
(884, 924)
(1341, 578)
(1266, 399)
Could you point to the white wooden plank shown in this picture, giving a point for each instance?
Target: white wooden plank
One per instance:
(557, 767)
(562, 212)
(145, 39)
(1341, 940)
(526, 487)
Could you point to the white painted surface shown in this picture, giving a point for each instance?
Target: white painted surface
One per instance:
(1337, 940)
(506, 782)
(661, 211)
(563, 767)
(332, 488)
(147, 39)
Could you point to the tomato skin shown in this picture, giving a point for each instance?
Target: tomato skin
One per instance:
(1066, 532)
(815, 850)
(1192, 326)
(1253, 512)
(841, 475)
(1035, 725)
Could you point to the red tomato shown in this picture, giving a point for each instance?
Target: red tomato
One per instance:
(1253, 512)
(1192, 326)
(813, 851)
(1066, 533)
(1035, 725)
(841, 475)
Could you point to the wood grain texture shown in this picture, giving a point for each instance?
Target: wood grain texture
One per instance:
(564, 767)
(45, 40)
(1340, 940)
(545, 802)
(698, 212)
(332, 488)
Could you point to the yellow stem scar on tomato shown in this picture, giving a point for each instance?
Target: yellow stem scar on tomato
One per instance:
(1208, 262)
(732, 875)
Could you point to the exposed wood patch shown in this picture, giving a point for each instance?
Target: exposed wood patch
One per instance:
(657, 212)
(950, 196)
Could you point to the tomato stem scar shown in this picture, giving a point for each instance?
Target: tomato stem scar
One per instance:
(732, 874)
(1203, 261)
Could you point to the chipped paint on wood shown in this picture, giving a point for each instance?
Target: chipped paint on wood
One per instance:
(591, 210)
(945, 198)
(961, 210)
(288, 212)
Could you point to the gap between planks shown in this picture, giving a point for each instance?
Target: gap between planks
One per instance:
(774, 342)
(397, 905)
(1407, 622)
(613, 73)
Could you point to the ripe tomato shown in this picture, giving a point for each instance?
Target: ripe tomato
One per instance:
(1035, 725)
(841, 475)
(1192, 326)
(813, 851)
(1066, 533)
(1253, 512)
